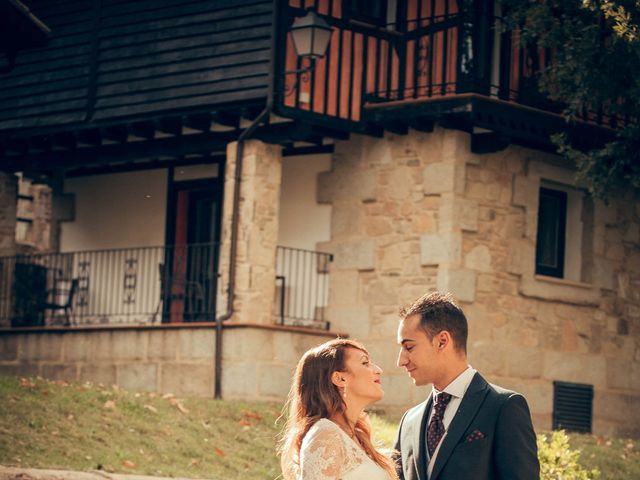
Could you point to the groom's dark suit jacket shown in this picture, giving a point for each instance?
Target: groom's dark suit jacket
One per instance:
(490, 437)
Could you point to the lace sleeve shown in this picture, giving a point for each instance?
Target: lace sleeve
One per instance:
(323, 455)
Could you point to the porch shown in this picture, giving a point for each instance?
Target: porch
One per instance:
(148, 286)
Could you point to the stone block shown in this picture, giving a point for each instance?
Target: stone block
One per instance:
(163, 344)
(575, 367)
(382, 291)
(187, 379)
(289, 347)
(487, 357)
(104, 374)
(398, 388)
(479, 258)
(130, 345)
(274, 380)
(41, 346)
(616, 407)
(19, 369)
(437, 248)
(9, 347)
(78, 346)
(346, 220)
(523, 362)
(354, 254)
(60, 371)
(243, 344)
(457, 214)
(604, 272)
(461, 283)
(623, 374)
(196, 343)
(343, 287)
(439, 178)
(240, 380)
(340, 185)
(353, 320)
(138, 376)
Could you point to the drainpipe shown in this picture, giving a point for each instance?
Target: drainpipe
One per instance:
(246, 133)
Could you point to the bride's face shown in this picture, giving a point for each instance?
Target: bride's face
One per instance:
(362, 377)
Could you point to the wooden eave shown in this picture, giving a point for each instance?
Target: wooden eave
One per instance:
(20, 28)
(493, 123)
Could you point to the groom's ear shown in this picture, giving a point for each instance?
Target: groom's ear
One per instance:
(442, 339)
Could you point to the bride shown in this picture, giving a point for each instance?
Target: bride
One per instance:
(328, 435)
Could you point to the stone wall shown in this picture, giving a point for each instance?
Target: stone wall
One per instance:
(8, 197)
(421, 212)
(36, 205)
(257, 362)
(257, 230)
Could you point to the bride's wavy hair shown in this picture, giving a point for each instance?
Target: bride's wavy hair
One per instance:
(314, 396)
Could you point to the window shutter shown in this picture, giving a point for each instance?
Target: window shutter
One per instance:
(572, 406)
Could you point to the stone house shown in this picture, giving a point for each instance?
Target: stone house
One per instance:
(410, 156)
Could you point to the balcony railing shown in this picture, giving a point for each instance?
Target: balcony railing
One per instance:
(438, 49)
(302, 287)
(122, 286)
(147, 285)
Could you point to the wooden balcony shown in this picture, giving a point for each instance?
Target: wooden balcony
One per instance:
(438, 61)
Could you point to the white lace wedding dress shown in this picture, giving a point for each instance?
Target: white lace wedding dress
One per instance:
(328, 453)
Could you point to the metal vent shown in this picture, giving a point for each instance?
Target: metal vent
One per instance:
(572, 406)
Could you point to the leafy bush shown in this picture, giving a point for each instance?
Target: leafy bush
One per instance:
(558, 461)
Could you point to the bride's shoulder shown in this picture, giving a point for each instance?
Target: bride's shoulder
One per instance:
(324, 425)
(324, 429)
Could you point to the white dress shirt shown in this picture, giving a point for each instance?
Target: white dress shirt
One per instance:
(457, 388)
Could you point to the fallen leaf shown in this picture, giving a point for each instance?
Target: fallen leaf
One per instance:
(250, 414)
(151, 408)
(178, 404)
(206, 424)
(128, 464)
(244, 423)
(193, 462)
(218, 452)
(109, 404)
(26, 383)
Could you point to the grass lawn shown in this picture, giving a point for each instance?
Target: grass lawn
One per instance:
(49, 424)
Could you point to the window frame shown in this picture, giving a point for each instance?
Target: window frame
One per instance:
(561, 197)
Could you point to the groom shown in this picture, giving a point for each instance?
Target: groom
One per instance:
(467, 428)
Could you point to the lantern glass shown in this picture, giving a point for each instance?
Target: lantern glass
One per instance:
(311, 35)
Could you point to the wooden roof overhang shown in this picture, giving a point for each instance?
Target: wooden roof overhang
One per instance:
(20, 29)
(492, 123)
(135, 144)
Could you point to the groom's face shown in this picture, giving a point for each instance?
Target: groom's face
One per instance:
(418, 353)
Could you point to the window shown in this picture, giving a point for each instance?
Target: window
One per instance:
(572, 406)
(564, 245)
(552, 219)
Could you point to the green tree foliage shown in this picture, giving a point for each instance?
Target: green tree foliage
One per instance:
(558, 461)
(596, 45)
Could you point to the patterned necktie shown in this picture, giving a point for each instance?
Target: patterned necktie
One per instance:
(436, 425)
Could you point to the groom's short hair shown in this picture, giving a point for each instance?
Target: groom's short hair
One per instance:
(438, 312)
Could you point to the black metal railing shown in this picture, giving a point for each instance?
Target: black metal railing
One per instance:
(119, 286)
(302, 287)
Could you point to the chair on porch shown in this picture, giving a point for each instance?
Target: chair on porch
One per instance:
(189, 292)
(60, 297)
